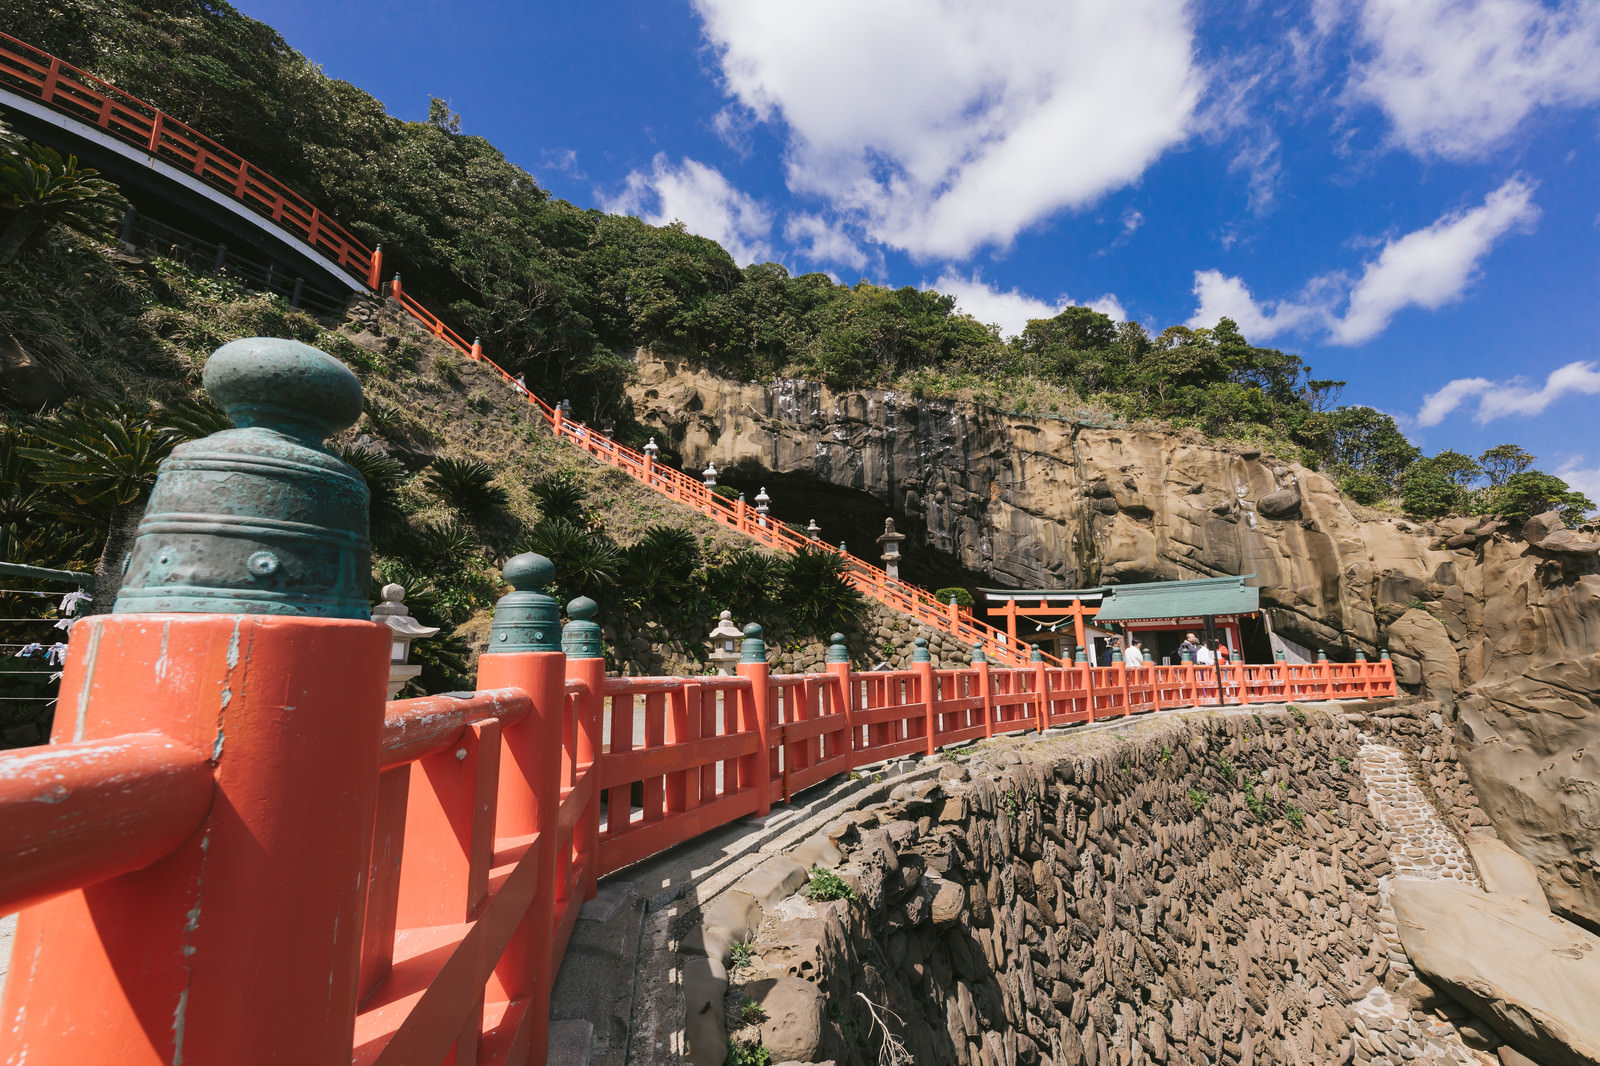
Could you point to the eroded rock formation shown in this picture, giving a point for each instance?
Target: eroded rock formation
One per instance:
(1502, 624)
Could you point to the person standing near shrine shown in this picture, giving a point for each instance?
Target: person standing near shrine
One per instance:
(1133, 657)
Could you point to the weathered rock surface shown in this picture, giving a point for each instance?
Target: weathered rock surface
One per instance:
(1504, 872)
(1533, 976)
(1509, 629)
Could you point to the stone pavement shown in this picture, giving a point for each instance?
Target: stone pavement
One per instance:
(1391, 1029)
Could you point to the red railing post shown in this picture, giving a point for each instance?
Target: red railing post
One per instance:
(525, 653)
(927, 692)
(758, 705)
(154, 143)
(586, 664)
(980, 664)
(48, 92)
(1041, 684)
(242, 945)
(839, 667)
(394, 286)
(375, 269)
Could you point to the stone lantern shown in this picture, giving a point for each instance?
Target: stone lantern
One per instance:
(394, 613)
(652, 450)
(890, 542)
(763, 506)
(813, 530)
(710, 474)
(726, 640)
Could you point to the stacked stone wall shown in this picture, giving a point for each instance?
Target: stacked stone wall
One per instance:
(1202, 889)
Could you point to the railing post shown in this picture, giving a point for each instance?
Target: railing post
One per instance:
(922, 664)
(1081, 658)
(580, 642)
(154, 142)
(394, 286)
(758, 705)
(52, 73)
(980, 663)
(839, 667)
(250, 643)
(1041, 684)
(525, 652)
(375, 269)
(1122, 681)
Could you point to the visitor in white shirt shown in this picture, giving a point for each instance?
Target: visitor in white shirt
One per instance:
(1133, 657)
(1204, 656)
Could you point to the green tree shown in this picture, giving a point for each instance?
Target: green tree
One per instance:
(1529, 492)
(1439, 484)
(1502, 462)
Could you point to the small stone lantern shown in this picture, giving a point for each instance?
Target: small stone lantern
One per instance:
(726, 640)
(890, 542)
(393, 613)
(652, 450)
(710, 475)
(813, 530)
(763, 506)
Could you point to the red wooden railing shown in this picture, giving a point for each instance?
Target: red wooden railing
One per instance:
(89, 100)
(469, 828)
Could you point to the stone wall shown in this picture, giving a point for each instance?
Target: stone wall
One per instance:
(1189, 889)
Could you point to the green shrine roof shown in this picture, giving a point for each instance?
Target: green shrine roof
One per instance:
(1179, 599)
(1155, 599)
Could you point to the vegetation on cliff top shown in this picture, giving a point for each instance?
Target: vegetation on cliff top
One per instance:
(565, 295)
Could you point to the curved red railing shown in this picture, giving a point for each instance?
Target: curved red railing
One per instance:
(82, 96)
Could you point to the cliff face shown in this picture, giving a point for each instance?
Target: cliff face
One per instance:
(1507, 624)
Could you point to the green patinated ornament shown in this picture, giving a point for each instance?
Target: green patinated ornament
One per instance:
(526, 619)
(1036, 655)
(1082, 656)
(919, 651)
(837, 652)
(978, 656)
(259, 519)
(580, 637)
(754, 649)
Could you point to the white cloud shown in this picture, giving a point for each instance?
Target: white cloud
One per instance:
(822, 241)
(1457, 76)
(944, 126)
(1432, 267)
(703, 200)
(1222, 297)
(1427, 268)
(1436, 406)
(1586, 481)
(1500, 399)
(1012, 309)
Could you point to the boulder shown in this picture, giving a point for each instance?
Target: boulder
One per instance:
(774, 880)
(705, 983)
(731, 918)
(1569, 542)
(796, 1026)
(1532, 976)
(1280, 505)
(1540, 526)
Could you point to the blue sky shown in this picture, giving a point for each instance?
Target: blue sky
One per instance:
(1404, 192)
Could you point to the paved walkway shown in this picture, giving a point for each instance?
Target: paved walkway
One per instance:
(1389, 1030)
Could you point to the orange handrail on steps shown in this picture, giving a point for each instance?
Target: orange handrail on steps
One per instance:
(82, 97)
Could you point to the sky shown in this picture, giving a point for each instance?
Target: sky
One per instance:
(1405, 193)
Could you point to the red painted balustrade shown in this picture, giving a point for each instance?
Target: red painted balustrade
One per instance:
(90, 101)
(234, 851)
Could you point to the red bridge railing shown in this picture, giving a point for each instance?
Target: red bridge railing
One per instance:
(79, 95)
(232, 826)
